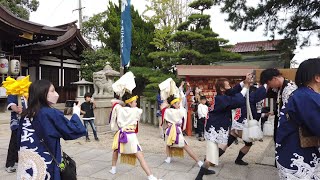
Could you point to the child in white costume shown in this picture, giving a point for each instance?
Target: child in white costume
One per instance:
(175, 115)
(125, 121)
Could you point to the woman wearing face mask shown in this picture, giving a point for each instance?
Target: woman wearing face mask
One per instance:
(41, 121)
(240, 119)
(217, 126)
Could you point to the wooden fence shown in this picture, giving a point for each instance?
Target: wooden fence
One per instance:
(149, 115)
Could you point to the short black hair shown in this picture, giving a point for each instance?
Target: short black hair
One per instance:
(87, 95)
(127, 96)
(307, 70)
(169, 99)
(268, 75)
(203, 97)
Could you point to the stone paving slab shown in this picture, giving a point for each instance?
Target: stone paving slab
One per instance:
(268, 157)
(89, 168)
(262, 173)
(233, 171)
(94, 161)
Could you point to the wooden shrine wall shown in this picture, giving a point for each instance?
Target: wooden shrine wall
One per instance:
(207, 84)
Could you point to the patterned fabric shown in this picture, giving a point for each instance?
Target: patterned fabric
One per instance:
(237, 114)
(293, 161)
(291, 86)
(13, 100)
(34, 160)
(219, 136)
(238, 125)
(219, 121)
(300, 168)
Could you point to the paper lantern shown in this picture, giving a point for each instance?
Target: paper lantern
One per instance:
(4, 66)
(14, 67)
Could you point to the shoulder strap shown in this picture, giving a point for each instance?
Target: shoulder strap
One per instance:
(249, 113)
(43, 142)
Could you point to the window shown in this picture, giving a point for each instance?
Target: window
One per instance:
(50, 73)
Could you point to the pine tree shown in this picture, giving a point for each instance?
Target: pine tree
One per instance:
(198, 44)
(288, 18)
(20, 8)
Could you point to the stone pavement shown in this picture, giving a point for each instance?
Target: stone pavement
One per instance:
(94, 162)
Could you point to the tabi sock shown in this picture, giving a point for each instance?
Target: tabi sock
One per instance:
(113, 170)
(231, 139)
(151, 177)
(221, 152)
(168, 160)
(240, 155)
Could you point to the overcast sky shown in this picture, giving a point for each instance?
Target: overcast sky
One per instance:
(57, 12)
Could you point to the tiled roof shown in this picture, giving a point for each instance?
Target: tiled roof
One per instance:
(255, 46)
(210, 70)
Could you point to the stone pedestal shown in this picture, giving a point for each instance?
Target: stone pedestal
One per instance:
(102, 113)
(103, 93)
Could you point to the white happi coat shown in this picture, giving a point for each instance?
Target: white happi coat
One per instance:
(126, 119)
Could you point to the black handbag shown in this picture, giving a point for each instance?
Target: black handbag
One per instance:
(67, 167)
(70, 170)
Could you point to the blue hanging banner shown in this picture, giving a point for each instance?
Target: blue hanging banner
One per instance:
(125, 44)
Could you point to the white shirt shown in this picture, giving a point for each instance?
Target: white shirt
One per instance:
(202, 111)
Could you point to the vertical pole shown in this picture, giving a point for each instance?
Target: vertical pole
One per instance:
(61, 78)
(121, 66)
(80, 15)
(189, 113)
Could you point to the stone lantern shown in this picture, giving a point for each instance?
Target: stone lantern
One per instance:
(83, 87)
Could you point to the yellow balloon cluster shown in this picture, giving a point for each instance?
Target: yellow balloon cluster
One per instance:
(17, 87)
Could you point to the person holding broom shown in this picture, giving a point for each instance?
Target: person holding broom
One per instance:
(16, 109)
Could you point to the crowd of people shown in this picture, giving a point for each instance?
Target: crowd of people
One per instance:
(36, 127)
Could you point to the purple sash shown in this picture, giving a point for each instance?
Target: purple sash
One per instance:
(123, 138)
(177, 130)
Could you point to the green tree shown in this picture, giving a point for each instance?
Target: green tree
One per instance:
(92, 29)
(285, 17)
(142, 35)
(21, 8)
(93, 61)
(166, 15)
(198, 44)
(148, 80)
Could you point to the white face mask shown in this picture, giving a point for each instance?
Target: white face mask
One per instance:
(52, 97)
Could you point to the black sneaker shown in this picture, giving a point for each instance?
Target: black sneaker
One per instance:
(87, 139)
(97, 139)
(241, 162)
(208, 172)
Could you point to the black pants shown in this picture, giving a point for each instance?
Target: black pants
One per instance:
(200, 126)
(275, 129)
(12, 156)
